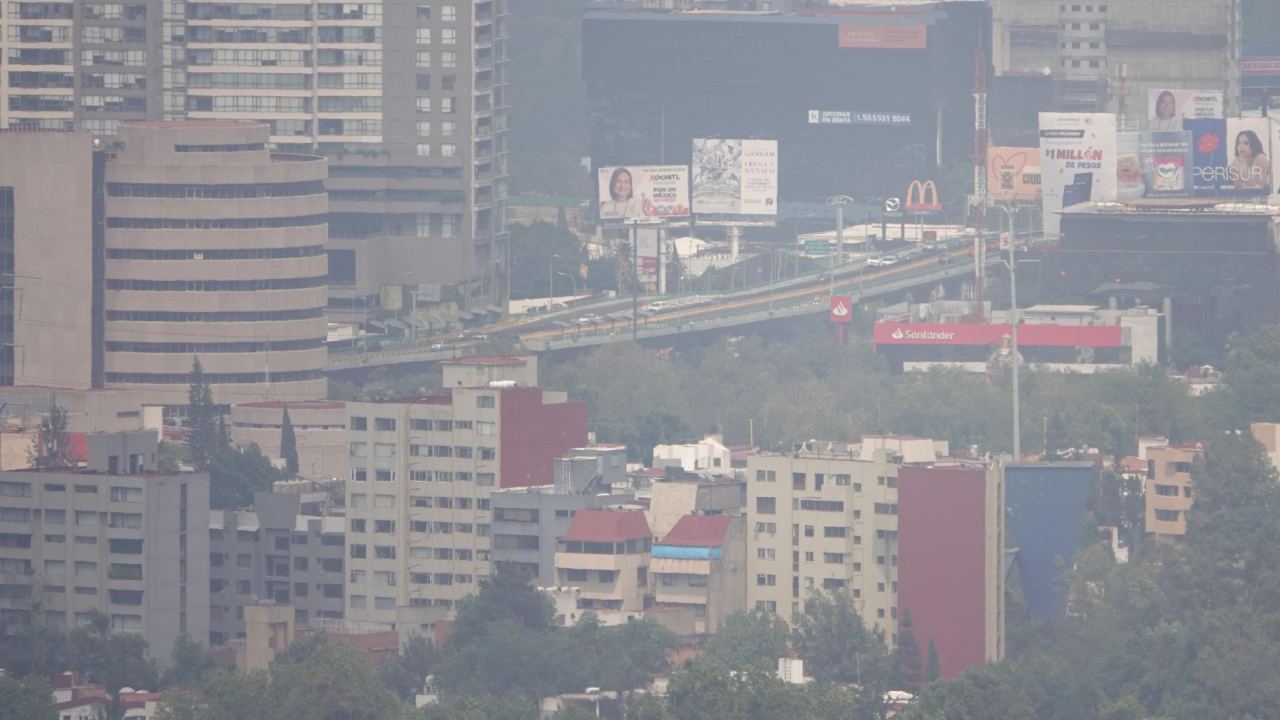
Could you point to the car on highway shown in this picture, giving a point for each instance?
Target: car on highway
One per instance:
(658, 306)
(882, 260)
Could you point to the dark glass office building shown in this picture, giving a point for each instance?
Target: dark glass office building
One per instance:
(862, 100)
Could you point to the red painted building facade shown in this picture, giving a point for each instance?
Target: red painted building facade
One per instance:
(951, 567)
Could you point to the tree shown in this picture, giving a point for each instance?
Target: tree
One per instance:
(405, 674)
(113, 659)
(504, 595)
(748, 638)
(52, 445)
(543, 253)
(203, 437)
(933, 670)
(909, 673)
(288, 445)
(834, 643)
(235, 474)
(338, 682)
(189, 664)
(482, 707)
(26, 699)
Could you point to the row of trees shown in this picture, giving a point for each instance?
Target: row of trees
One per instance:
(801, 385)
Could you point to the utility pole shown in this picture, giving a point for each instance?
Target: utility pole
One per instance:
(979, 170)
(635, 284)
(1013, 335)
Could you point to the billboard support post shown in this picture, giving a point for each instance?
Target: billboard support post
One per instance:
(735, 242)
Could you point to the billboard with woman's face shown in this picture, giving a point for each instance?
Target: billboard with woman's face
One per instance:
(1166, 109)
(633, 192)
(1232, 157)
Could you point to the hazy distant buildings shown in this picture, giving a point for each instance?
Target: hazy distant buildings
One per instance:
(1107, 56)
(862, 98)
(408, 99)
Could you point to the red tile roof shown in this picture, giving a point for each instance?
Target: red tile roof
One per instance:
(608, 526)
(698, 531)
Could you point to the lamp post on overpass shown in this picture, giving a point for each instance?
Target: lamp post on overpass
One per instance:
(1012, 264)
(839, 202)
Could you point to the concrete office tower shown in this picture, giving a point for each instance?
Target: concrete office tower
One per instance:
(821, 518)
(48, 336)
(215, 249)
(422, 472)
(951, 570)
(118, 538)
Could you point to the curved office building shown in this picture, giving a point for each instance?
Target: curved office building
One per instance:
(214, 247)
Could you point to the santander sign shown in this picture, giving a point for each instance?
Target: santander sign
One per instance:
(942, 335)
(1029, 334)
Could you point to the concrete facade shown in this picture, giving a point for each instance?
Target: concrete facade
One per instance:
(670, 500)
(605, 556)
(47, 304)
(273, 553)
(823, 518)
(422, 474)
(320, 427)
(214, 249)
(131, 546)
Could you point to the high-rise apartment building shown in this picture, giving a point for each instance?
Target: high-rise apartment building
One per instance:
(422, 472)
(408, 99)
(117, 538)
(822, 518)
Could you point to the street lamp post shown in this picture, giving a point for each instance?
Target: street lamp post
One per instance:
(551, 281)
(1012, 264)
(838, 202)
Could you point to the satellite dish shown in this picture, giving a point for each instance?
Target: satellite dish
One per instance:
(892, 205)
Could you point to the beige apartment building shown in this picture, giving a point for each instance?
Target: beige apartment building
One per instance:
(1168, 489)
(117, 538)
(215, 249)
(823, 518)
(701, 562)
(605, 556)
(320, 427)
(422, 471)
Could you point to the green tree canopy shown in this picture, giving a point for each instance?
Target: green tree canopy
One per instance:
(749, 638)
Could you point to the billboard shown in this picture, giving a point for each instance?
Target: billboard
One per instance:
(646, 255)
(1077, 162)
(857, 117)
(884, 37)
(1013, 173)
(643, 191)
(1231, 157)
(735, 177)
(1167, 108)
(971, 334)
(1153, 165)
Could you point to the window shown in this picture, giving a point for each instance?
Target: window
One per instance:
(423, 36)
(385, 578)
(384, 552)
(766, 505)
(833, 558)
(358, 551)
(797, 481)
(15, 489)
(384, 424)
(423, 59)
(126, 494)
(357, 577)
(359, 449)
(448, 59)
(359, 423)
(487, 453)
(359, 501)
(482, 427)
(449, 13)
(766, 476)
(384, 501)
(84, 518)
(1167, 515)
(384, 450)
(448, 150)
(357, 602)
(575, 575)
(449, 36)
(608, 576)
(384, 526)
(485, 401)
(766, 553)
(55, 568)
(835, 531)
(55, 517)
(448, 127)
(424, 12)
(357, 525)
(424, 104)
(843, 480)
(766, 580)
(382, 475)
